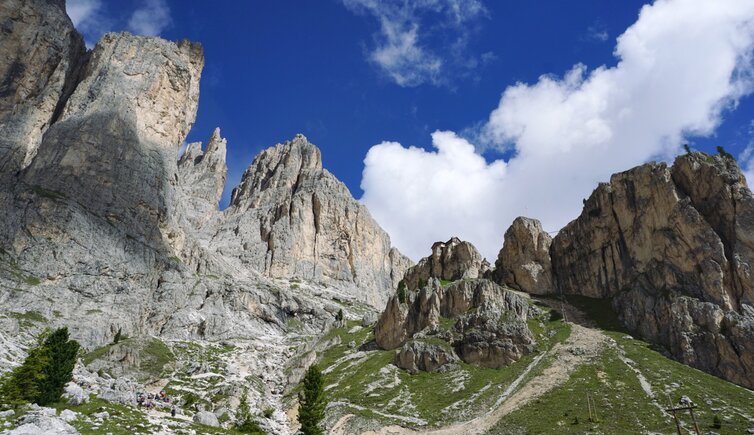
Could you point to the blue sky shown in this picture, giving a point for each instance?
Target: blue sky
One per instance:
(352, 74)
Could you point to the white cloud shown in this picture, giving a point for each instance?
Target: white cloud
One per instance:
(88, 17)
(93, 18)
(679, 67)
(151, 19)
(403, 47)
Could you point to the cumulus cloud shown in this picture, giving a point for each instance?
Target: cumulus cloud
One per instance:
(404, 45)
(93, 18)
(679, 67)
(151, 19)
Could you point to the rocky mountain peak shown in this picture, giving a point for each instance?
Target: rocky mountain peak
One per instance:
(278, 170)
(202, 176)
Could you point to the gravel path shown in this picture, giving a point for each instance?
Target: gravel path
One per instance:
(582, 345)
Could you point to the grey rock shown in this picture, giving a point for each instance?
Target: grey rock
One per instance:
(416, 356)
(369, 319)
(490, 322)
(40, 420)
(7, 413)
(74, 394)
(451, 260)
(524, 262)
(206, 418)
(104, 415)
(68, 416)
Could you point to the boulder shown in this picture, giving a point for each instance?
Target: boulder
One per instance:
(68, 416)
(206, 418)
(40, 420)
(74, 394)
(524, 262)
(450, 261)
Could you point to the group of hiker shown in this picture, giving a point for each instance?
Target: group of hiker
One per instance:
(149, 400)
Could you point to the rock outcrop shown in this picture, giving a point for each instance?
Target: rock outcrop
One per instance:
(450, 261)
(488, 324)
(417, 355)
(524, 261)
(671, 247)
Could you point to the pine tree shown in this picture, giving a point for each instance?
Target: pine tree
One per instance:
(21, 385)
(687, 148)
(117, 337)
(339, 316)
(312, 402)
(244, 422)
(59, 371)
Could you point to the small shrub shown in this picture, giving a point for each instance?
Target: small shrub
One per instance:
(118, 336)
(268, 412)
(687, 148)
(244, 422)
(402, 295)
(339, 316)
(717, 422)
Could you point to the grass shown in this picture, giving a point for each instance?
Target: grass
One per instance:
(154, 357)
(28, 319)
(621, 403)
(374, 383)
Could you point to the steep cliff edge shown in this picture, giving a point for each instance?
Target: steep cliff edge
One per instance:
(671, 247)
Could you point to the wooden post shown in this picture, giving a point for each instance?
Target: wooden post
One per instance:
(675, 417)
(589, 405)
(696, 426)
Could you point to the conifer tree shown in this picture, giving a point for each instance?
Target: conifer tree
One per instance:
(61, 352)
(21, 385)
(312, 402)
(244, 421)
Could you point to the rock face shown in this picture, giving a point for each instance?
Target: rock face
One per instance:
(416, 356)
(524, 261)
(135, 104)
(489, 324)
(672, 249)
(34, 83)
(451, 260)
(290, 218)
